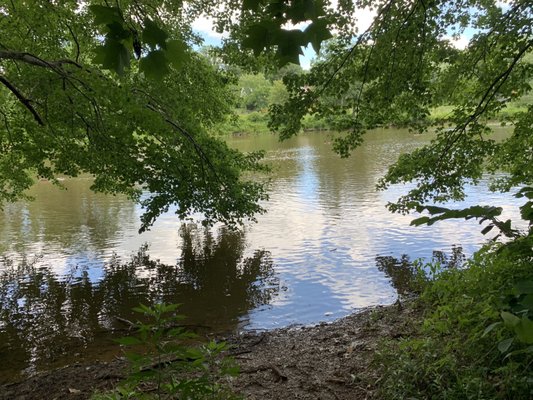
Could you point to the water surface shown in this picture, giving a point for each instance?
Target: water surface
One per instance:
(74, 260)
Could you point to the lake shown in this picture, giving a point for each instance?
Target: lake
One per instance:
(74, 262)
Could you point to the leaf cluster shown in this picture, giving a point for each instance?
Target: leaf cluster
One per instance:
(168, 364)
(76, 102)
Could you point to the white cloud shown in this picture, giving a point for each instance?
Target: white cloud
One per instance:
(459, 43)
(364, 18)
(205, 27)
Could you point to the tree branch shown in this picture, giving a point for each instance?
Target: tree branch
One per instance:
(25, 101)
(34, 60)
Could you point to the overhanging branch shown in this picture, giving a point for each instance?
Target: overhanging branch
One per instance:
(34, 60)
(24, 100)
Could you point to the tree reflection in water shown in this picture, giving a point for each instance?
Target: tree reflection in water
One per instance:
(48, 320)
(402, 271)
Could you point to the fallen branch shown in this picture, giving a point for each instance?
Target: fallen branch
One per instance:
(130, 324)
(273, 368)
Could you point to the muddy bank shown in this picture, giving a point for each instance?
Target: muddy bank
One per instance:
(328, 361)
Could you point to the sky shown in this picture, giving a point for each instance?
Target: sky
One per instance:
(205, 27)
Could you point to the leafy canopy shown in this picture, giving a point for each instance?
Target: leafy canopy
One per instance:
(397, 71)
(117, 91)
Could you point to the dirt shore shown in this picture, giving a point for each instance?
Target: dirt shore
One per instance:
(328, 361)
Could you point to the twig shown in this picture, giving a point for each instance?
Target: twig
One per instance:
(126, 321)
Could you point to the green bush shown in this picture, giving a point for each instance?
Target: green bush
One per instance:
(457, 353)
(167, 365)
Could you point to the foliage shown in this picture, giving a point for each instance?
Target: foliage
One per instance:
(403, 67)
(461, 349)
(168, 366)
(263, 25)
(254, 91)
(117, 91)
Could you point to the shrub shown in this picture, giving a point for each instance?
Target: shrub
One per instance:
(169, 366)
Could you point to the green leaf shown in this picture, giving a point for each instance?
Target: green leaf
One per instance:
(524, 330)
(154, 65)
(526, 211)
(489, 328)
(289, 44)
(104, 15)
(232, 370)
(527, 302)
(505, 344)
(128, 341)
(419, 221)
(153, 35)
(176, 52)
(527, 350)
(143, 309)
(134, 357)
(524, 287)
(487, 229)
(258, 36)
(166, 308)
(194, 353)
(510, 320)
(436, 210)
(316, 33)
(117, 31)
(113, 55)
(252, 5)
(525, 191)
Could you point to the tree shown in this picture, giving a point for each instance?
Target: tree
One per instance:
(278, 93)
(254, 91)
(400, 68)
(117, 91)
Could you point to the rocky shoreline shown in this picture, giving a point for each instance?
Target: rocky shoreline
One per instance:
(327, 361)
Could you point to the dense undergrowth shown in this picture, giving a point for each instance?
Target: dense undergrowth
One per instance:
(475, 334)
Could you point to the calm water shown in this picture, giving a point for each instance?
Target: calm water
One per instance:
(74, 260)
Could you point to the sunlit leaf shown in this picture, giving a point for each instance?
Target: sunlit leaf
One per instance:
(504, 345)
(176, 52)
(113, 55)
(524, 330)
(510, 320)
(128, 341)
(490, 328)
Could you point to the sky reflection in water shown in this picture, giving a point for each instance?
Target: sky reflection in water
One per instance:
(326, 247)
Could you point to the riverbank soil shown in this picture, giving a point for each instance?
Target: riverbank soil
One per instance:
(328, 361)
